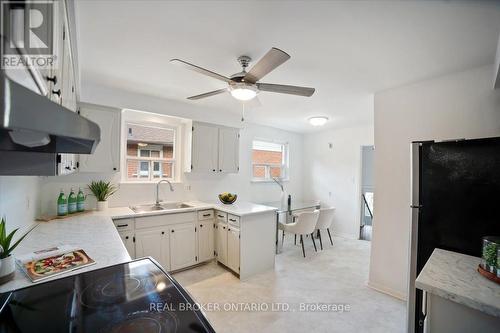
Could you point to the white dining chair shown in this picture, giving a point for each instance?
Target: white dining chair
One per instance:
(325, 222)
(304, 224)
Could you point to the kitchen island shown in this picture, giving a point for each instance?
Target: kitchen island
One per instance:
(458, 299)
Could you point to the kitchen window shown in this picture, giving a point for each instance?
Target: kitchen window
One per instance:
(269, 160)
(150, 152)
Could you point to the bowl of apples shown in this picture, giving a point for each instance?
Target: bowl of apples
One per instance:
(227, 198)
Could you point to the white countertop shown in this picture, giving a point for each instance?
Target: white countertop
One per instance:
(95, 234)
(238, 208)
(454, 277)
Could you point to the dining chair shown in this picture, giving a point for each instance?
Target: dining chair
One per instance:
(304, 224)
(325, 222)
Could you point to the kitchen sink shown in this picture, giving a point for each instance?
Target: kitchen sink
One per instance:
(160, 207)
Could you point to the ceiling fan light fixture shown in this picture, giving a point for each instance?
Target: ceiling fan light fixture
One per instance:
(243, 92)
(318, 121)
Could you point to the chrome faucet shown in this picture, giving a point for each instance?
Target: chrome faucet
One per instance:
(158, 190)
(277, 180)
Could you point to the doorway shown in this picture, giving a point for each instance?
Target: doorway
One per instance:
(367, 192)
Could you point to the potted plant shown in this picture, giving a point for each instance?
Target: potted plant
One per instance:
(7, 263)
(102, 191)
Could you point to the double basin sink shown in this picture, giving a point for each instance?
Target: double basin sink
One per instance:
(159, 207)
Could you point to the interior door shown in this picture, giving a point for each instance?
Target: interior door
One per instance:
(106, 157)
(204, 152)
(233, 249)
(182, 245)
(206, 233)
(229, 147)
(222, 243)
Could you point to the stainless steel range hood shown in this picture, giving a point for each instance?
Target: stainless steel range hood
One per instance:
(34, 129)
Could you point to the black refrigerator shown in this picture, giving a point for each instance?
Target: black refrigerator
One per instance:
(455, 202)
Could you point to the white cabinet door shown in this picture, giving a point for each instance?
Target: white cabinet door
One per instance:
(233, 249)
(106, 157)
(229, 147)
(153, 243)
(222, 243)
(204, 150)
(128, 241)
(182, 245)
(206, 233)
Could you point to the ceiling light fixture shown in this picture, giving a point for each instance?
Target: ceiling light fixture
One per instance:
(318, 121)
(243, 92)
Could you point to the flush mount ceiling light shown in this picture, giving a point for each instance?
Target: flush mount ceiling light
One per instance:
(318, 121)
(243, 91)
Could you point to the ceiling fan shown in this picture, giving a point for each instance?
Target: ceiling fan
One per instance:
(244, 85)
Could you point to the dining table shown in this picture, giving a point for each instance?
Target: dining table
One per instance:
(289, 209)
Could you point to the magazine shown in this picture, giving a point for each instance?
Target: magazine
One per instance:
(53, 261)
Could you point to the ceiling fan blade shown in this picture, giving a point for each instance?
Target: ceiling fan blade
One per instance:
(208, 94)
(266, 64)
(285, 89)
(200, 70)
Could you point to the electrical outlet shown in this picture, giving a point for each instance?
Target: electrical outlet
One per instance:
(187, 187)
(330, 194)
(27, 202)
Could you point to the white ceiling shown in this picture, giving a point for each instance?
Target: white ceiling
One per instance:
(346, 50)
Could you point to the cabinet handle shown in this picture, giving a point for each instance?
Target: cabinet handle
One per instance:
(52, 79)
(163, 232)
(57, 92)
(126, 237)
(201, 225)
(173, 230)
(122, 225)
(220, 170)
(206, 215)
(224, 228)
(232, 220)
(213, 170)
(228, 229)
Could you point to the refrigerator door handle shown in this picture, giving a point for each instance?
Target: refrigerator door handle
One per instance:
(416, 206)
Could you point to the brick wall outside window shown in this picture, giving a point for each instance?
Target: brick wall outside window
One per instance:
(266, 157)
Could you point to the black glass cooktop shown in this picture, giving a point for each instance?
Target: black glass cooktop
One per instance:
(134, 297)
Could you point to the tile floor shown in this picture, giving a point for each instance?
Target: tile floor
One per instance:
(336, 275)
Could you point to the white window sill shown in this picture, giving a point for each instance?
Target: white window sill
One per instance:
(268, 180)
(127, 182)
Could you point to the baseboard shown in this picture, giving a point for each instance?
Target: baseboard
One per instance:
(388, 291)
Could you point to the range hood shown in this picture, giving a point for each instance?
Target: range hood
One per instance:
(33, 130)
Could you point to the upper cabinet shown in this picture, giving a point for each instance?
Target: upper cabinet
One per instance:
(106, 157)
(214, 149)
(229, 149)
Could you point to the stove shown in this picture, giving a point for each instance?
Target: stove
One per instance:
(134, 297)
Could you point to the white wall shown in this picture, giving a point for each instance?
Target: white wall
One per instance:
(19, 200)
(202, 186)
(461, 105)
(334, 175)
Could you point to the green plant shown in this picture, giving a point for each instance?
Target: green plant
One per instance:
(5, 247)
(102, 190)
(490, 254)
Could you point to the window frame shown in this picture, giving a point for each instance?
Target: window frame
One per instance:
(174, 161)
(285, 164)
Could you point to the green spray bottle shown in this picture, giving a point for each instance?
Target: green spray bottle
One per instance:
(80, 201)
(62, 204)
(72, 202)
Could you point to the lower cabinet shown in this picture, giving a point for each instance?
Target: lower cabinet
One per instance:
(206, 242)
(233, 248)
(154, 243)
(222, 243)
(128, 240)
(182, 246)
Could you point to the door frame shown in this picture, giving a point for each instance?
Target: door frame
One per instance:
(360, 190)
